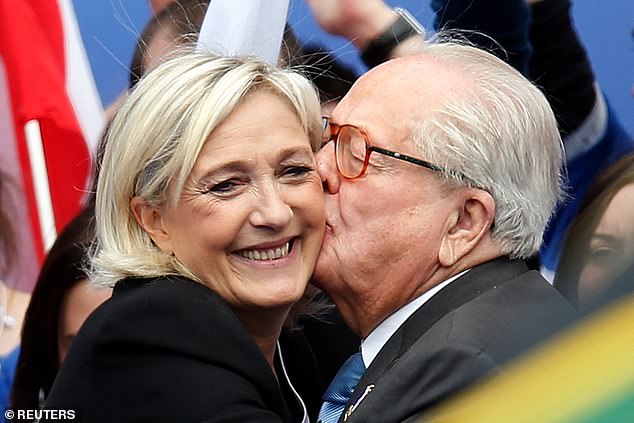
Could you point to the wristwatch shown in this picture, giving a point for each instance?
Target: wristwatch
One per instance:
(379, 49)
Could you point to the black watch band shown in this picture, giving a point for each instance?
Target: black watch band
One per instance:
(379, 49)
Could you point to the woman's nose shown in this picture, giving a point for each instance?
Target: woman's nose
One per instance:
(271, 210)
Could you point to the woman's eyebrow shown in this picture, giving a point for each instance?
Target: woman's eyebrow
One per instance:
(296, 152)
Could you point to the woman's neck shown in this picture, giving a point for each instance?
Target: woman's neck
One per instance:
(268, 346)
(265, 326)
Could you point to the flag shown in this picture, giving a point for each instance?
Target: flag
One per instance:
(585, 374)
(50, 120)
(244, 28)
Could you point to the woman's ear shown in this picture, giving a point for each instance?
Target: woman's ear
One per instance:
(469, 225)
(151, 219)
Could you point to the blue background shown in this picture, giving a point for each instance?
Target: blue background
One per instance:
(110, 29)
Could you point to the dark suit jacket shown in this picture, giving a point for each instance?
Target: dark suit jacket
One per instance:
(464, 332)
(167, 350)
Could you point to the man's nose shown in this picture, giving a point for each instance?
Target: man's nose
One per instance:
(327, 168)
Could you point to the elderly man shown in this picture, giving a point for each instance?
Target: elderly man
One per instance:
(440, 173)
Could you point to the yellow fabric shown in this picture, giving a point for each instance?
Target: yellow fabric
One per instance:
(581, 370)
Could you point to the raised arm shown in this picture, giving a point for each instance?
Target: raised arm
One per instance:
(361, 21)
(560, 64)
(500, 26)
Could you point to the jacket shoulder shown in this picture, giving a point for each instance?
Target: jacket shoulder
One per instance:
(169, 349)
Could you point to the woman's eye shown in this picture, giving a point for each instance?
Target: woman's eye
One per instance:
(224, 187)
(297, 170)
(603, 255)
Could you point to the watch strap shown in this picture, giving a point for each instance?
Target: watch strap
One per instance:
(379, 49)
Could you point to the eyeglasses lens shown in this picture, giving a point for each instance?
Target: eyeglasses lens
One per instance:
(326, 131)
(350, 152)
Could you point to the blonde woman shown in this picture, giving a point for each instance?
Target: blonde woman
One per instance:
(209, 219)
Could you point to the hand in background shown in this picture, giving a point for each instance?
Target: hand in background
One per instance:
(357, 20)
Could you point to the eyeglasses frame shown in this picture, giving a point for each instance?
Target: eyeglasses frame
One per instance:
(335, 130)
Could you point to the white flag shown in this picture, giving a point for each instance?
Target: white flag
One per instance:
(244, 28)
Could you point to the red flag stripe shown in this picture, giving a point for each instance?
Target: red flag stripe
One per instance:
(32, 49)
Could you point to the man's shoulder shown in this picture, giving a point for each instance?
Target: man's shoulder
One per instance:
(526, 289)
(505, 319)
(485, 302)
(426, 374)
(461, 335)
(506, 288)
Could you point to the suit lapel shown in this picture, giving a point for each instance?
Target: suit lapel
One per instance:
(464, 289)
(472, 284)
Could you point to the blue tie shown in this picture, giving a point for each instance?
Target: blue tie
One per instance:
(340, 389)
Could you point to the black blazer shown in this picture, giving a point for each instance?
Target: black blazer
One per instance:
(168, 350)
(464, 332)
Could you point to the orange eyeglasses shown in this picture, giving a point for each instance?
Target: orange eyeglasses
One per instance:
(353, 150)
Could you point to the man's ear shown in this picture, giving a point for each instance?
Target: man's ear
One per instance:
(150, 219)
(467, 226)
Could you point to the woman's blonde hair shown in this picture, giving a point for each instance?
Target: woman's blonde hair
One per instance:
(154, 141)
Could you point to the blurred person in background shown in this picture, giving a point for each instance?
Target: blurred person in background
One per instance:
(157, 5)
(175, 29)
(172, 30)
(599, 246)
(13, 302)
(593, 136)
(61, 301)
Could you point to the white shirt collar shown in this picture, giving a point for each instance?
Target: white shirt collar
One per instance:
(371, 345)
